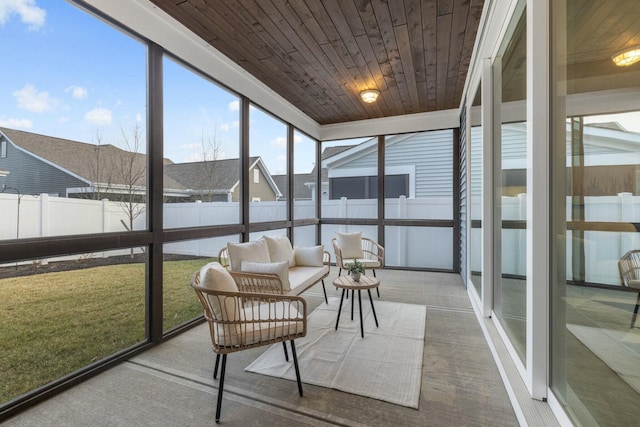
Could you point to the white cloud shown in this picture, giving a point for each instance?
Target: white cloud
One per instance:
(227, 126)
(234, 106)
(279, 142)
(77, 92)
(16, 123)
(297, 139)
(282, 158)
(99, 116)
(138, 117)
(30, 14)
(37, 102)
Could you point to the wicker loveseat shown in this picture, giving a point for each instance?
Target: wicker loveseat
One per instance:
(271, 264)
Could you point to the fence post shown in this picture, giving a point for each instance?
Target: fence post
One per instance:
(105, 219)
(44, 220)
(402, 234)
(199, 210)
(343, 212)
(44, 215)
(522, 235)
(627, 241)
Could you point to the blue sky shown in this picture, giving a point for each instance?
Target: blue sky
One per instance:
(70, 75)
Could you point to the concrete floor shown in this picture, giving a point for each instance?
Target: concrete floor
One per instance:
(172, 385)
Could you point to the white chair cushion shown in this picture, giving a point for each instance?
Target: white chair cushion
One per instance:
(255, 251)
(280, 268)
(215, 277)
(280, 249)
(635, 284)
(368, 263)
(350, 244)
(309, 256)
(271, 325)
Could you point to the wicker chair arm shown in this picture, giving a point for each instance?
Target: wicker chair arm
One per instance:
(338, 253)
(326, 258)
(373, 250)
(223, 258)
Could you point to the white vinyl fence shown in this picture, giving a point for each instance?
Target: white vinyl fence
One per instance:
(602, 249)
(41, 216)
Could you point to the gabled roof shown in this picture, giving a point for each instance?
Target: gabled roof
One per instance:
(352, 152)
(213, 175)
(300, 190)
(326, 153)
(89, 162)
(216, 176)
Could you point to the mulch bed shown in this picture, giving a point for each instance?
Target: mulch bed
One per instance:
(77, 264)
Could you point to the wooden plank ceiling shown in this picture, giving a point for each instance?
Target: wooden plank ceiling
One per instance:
(319, 55)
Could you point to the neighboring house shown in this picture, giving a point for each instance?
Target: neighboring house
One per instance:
(301, 188)
(416, 165)
(219, 180)
(40, 164)
(324, 179)
(603, 145)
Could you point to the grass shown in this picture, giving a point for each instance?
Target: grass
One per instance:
(56, 323)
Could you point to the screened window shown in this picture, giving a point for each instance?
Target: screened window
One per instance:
(366, 187)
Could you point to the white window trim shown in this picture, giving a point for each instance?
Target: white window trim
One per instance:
(256, 176)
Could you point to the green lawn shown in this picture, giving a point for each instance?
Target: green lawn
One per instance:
(56, 323)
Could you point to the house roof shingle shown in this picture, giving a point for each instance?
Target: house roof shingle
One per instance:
(89, 161)
(211, 175)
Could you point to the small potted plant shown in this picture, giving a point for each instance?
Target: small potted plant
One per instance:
(355, 269)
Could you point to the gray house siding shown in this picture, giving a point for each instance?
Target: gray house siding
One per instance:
(475, 172)
(429, 152)
(30, 175)
(432, 154)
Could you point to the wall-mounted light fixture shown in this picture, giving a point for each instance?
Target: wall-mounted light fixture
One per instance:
(627, 57)
(369, 95)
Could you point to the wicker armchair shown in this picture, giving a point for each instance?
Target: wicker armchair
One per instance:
(629, 268)
(243, 320)
(373, 256)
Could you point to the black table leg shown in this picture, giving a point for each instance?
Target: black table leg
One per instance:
(360, 305)
(339, 309)
(351, 302)
(372, 308)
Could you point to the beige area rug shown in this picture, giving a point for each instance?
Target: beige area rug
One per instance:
(386, 364)
(618, 349)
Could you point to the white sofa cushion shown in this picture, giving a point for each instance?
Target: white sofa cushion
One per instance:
(305, 276)
(280, 268)
(280, 249)
(309, 256)
(350, 244)
(215, 277)
(255, 251)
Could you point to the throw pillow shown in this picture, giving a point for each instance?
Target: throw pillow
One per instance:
(309, 256)
(215, 277)
(350, 244)
(280, 268)
(255, 251)
(280, 249)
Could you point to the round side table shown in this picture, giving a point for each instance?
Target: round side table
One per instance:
(346, 283)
